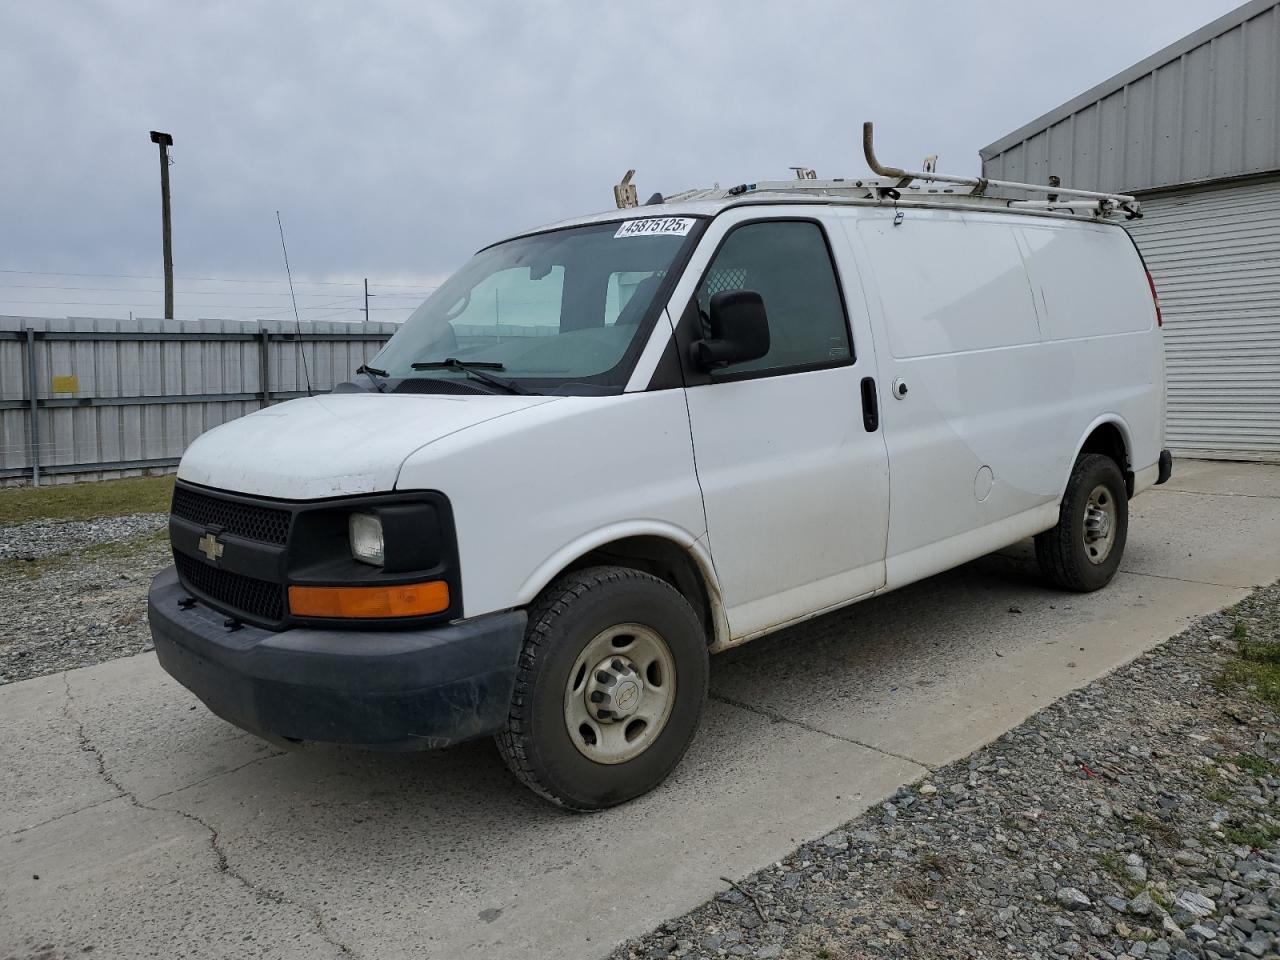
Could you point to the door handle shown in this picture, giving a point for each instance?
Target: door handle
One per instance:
(870, 405)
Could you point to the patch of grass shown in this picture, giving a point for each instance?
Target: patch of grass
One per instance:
(112, 550)
(1219, 796)
(1239, 631)
(915, 889)
(1256, 835)
(935, 863)
(85, 501)
(1157, 830)
(934, 870)
(1113, 865)
(1256, 668)
(1012, 824)
(1251, 763)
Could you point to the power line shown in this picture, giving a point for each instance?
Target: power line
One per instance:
(137, 276)
(127, 276)
(185, 293)
(203, 306)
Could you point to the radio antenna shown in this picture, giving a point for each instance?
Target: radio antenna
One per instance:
(296, 319)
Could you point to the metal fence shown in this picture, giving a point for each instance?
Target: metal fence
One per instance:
(88, 399)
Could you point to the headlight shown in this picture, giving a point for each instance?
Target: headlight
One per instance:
(366, 538)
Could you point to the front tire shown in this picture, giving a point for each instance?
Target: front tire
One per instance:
(609, 688)
(1084, 550)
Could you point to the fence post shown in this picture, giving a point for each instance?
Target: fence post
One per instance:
(264, 366)
(33, 432)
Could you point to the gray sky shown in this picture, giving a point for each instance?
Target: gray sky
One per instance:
(397, 137)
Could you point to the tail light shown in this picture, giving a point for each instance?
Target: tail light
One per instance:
(1155, 299)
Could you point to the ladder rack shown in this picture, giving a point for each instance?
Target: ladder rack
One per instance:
(894, 183)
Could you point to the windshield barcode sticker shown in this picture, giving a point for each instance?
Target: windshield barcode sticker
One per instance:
(656, 227)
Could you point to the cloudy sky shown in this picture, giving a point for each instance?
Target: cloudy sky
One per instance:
(397, 137)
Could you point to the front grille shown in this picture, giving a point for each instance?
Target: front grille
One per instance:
(265, 524)
(257, 598)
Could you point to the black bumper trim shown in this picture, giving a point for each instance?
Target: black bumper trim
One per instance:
(1166, 467)
(398, 690)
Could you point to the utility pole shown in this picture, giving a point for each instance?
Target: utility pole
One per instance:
(166, 226)
(366, 299)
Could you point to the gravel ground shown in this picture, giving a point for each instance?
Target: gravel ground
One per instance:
(74, 592)
(43, 538)
(1135, 818)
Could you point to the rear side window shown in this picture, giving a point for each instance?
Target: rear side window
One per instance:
(950, 284)
(788, 263)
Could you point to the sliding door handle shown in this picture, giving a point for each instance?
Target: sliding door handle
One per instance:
(870, 405)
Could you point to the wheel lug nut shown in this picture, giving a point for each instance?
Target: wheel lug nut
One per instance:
(599, 696)
(603, 676)
(604, 714)
(618, 665)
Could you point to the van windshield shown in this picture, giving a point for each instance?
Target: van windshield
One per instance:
(561, 312)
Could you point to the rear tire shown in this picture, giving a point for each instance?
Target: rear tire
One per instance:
(609, 688)
(1084, 550)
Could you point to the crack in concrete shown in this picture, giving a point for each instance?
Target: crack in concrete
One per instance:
(1223, 493)
(62, 816)
(1202, 583)
(217, 776)
(779, 718)
(215, 844)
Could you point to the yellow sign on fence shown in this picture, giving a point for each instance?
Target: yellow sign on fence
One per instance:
(66, 384)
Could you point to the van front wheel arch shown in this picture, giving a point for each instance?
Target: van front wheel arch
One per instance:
(1083, 551)
(609, 689)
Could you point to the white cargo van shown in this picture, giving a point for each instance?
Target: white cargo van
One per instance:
(606, 449)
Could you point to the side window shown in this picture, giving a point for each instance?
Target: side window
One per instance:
(787, 262)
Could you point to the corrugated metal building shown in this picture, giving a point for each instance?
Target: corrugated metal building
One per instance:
(1194, 130)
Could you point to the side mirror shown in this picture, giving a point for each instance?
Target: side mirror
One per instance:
(739, 330)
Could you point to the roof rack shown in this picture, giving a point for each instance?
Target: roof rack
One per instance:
(892, 183)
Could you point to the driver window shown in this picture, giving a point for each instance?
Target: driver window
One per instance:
(787, 262)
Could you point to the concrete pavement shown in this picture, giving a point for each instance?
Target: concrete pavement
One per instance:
(156, 829)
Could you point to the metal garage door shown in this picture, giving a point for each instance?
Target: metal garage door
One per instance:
(1215, 256)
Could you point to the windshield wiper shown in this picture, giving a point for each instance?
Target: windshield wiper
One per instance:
(475, 370)
(373, 373)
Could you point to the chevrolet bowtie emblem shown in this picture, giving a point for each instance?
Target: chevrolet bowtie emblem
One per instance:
(210, 546)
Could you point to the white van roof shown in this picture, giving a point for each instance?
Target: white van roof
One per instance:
(868, 191)
(894, 187)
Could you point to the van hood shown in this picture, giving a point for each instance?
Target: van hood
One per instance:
(333, 445)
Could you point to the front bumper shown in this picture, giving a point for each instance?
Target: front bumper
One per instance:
(392, 689)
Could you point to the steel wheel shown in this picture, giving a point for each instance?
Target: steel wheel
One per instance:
(619, 693)
(1099, 524)
(612, 640)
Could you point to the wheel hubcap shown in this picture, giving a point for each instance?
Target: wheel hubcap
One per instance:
(1099, 524)
(620, 693)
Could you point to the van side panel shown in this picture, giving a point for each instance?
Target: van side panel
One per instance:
(1099, 319)
(967, 443)
(1011, 350)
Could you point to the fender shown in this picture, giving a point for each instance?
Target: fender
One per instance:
(695, 547)
(1126, 438)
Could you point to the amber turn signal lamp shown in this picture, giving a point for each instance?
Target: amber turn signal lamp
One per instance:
(365, 603)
